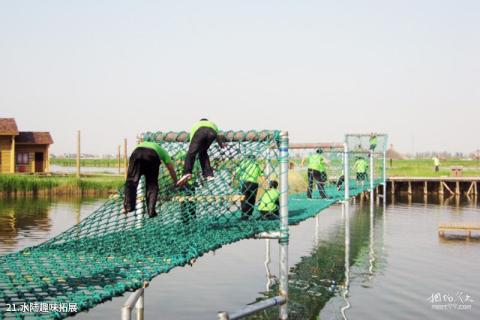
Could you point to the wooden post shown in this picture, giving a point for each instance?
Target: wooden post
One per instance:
(12, 156)
(409, 187)
(125, 159)
(440, 188)
(47, 164)
(78, 154)
(393, 187)
(470, 189)
(425, 188)
(32, 169)
(457, 188)
(446, 187)
(475, 188)
(119, 156)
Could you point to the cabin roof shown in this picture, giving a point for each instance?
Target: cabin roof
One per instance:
(33, 137)
(8, 127)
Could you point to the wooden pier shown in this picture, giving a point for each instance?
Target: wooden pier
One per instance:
(434, 185)
(455, 227)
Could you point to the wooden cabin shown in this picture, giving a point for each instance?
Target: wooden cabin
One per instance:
(23, 151)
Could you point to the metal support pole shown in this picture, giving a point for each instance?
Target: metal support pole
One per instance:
(137, 299)
(283, 242)
(346, 287)
(140, 306)
(346, 174)
(268, 274)
(372, 191)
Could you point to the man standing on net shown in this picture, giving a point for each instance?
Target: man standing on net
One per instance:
(145, 160)
(248, 174)
(317, 173)
(202, 135)
(361, 167)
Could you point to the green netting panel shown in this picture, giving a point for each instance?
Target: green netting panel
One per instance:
(366, 147)
(110, 253)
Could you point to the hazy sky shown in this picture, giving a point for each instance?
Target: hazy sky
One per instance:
(319, 69)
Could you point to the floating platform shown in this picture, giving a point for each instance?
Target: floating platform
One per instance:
(457, 230)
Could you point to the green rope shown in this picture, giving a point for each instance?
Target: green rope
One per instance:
(109, 252)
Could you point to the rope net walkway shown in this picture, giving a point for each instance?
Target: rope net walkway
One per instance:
(110, 252)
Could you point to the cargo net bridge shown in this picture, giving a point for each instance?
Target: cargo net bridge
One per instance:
(110, 252)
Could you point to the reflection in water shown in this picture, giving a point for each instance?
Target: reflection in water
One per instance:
(268, 274)
(26, 221)
(313, 281)
(19, 217)
(346, 216)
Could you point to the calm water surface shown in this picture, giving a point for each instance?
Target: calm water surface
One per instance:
(345, 264)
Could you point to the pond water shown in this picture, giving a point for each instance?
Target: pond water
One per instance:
(347, 263)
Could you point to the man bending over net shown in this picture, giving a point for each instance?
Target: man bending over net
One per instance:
(202, 135)
(145, 160)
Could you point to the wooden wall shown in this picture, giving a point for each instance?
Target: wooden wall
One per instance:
(5, 153)
(31, 149)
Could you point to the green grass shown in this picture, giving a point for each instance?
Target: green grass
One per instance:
(13, 184)
(68, 162)
(425, 168)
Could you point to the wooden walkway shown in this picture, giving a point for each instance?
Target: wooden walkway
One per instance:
(468, 228)
(440, 185)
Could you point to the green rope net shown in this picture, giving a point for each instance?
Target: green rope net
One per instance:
(110, 252)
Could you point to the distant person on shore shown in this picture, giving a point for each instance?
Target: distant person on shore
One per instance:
(145, 160)
(361, 166)
(248, 173)
(202, 135)
(317, 173)
(269, 204)
(373, 142)
(436, 163)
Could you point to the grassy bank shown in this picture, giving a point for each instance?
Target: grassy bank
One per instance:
(68, 185)
(424, 168)
(68, 162)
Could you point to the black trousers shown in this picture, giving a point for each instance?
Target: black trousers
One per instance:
(143, 161)
(249, 191)
(270, 215)
(319, 178)
(188, 208)
(199, 144)
(340, 182)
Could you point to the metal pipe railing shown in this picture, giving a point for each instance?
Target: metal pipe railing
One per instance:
(136, 299)
(283, 241)
(252, 309)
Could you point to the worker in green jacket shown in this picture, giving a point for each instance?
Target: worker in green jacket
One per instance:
(202, 135)
(145, 160)
(361, 167)
(188, 205)
(269, 205)
(248, 173)
(317, 172)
